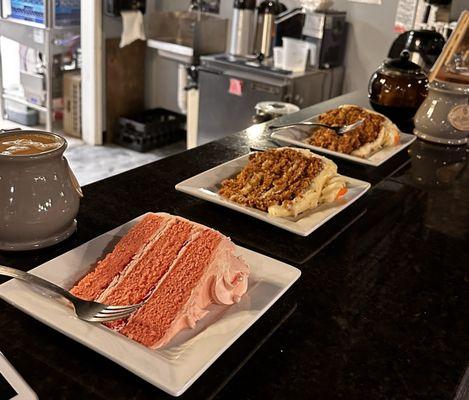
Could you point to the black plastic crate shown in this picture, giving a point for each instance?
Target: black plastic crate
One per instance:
(150, 129)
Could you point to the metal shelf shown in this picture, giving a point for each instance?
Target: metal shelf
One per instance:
(24, 102)
(42, 38)
(36, 36)
(37, 24)
(23, 22)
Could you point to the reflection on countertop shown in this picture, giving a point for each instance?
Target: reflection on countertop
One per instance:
(442, 172)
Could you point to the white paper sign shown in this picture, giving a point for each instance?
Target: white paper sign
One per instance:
(405, 15)
(38, 36)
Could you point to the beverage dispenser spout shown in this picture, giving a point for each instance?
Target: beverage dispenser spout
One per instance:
(286, 15)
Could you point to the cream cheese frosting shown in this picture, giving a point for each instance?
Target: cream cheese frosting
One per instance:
(225, 281)
(324, 189)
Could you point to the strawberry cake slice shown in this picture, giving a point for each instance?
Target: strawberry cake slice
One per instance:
(176, 266)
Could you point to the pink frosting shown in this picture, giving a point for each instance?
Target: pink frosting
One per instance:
(224, 282)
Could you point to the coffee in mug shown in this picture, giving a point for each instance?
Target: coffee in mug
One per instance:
(20, 144)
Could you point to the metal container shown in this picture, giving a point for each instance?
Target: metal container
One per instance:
(242, 28)
(186, 35)
(39, 197)
(443, 117)
(265, 28)
(267, 110)
(327, 33)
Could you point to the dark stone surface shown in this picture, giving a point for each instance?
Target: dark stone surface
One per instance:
(380, 311)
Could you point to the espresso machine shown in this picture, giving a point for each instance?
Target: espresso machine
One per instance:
(327, 33)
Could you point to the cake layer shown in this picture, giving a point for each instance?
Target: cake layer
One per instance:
(150, 323)
(145, 271)
(95, 282)
(273, 178)
(140, 277)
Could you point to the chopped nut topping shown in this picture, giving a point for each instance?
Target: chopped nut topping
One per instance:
(352, 140)
(273, 177)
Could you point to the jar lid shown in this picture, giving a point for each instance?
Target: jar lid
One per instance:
(245, 4)
(403, 64)
(276, 108)
(271, 7)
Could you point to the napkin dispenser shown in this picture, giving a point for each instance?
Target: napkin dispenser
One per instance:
(113, 8)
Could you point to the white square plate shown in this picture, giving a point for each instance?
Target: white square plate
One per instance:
(178, 365)
(207, 184)
(296, 137)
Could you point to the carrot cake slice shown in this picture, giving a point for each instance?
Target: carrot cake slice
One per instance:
(182, 268)
(285, 182)
(374, 133)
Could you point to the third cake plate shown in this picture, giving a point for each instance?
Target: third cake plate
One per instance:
(177, 366)
(296, 137)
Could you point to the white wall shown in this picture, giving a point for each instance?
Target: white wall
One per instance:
(369, 39)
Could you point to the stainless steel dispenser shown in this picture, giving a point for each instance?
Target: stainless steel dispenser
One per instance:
(265, 29)
(242, 28)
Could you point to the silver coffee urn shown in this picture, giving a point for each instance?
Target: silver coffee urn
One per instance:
(242, 28)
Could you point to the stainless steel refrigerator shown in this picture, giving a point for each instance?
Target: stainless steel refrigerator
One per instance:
(230, 88)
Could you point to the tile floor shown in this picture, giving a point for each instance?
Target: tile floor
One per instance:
(93, 163)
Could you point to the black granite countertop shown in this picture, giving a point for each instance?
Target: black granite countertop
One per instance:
(380, 311)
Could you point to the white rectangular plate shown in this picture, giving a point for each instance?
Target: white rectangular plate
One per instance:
(207, 184)
(178, 365)
(295, 137)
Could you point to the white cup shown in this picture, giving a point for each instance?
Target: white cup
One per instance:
(295, 54)
(313, 48)
(279, 53)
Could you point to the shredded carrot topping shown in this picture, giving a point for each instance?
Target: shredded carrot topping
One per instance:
(341, 192)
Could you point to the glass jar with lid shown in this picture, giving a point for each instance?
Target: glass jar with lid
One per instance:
(397, 89)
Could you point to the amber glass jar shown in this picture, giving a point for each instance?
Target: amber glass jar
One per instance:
(397, 89)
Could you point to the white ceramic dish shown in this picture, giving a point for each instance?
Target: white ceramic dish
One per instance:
(207, 184)
(296, 137)
(178, 365)
(15, 385)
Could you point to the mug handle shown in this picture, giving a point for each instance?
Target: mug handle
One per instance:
(9, 130)
(74, 179)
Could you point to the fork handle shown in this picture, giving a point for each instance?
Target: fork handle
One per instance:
(35, 280)
(306, 123)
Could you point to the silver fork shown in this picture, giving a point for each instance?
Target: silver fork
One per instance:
(340, 130)
(90, 311)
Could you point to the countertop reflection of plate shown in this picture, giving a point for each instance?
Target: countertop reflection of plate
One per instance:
(177, 366)
(207, 184)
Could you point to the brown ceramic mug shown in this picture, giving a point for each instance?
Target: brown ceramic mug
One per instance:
(39, 195)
